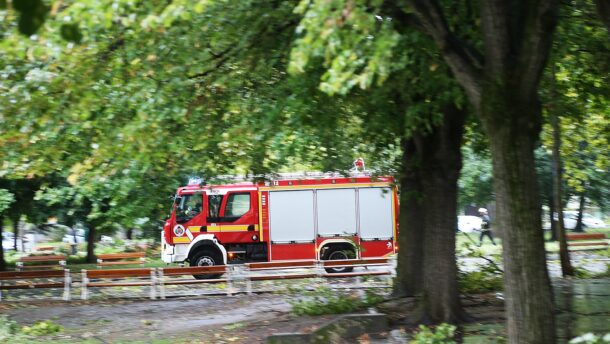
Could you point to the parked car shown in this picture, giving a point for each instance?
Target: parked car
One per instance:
(469, 223)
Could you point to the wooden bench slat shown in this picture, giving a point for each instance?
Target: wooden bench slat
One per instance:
(41, 266)
(370, 261)
(125, 255)
(355, 274)
(194, 270)
(585, 236)
(30, 259)
(194, 281)
(276, 277)
(116, 273)
(32, 286)
(118, 284)
(133, 262)
(31, 274)
(287, 264)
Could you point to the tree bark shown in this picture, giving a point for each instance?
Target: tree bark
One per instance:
(15, 221)
(581, 208)
(552, 218)
(564, 254)
(603, 10)
(502, 86)
(441, 165)
(426, 263)
(91, 237)
(513, 126)
(410, 258)
(2, 261)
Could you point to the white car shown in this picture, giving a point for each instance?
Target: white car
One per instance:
(469, 223)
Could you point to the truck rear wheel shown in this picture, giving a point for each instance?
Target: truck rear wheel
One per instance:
(206, 257)
(338, 254)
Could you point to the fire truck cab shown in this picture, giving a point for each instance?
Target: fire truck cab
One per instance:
(323, 217)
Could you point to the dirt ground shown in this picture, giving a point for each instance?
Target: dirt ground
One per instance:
(213, 319)
(583, 307)
(210, 319)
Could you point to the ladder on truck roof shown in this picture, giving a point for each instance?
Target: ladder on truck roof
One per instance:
(290, 175)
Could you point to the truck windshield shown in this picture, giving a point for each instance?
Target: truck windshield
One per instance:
(189, 207)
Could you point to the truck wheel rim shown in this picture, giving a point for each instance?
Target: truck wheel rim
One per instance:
(205, 261)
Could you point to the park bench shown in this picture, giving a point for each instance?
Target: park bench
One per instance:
(36, 279)
(41, 262)
(137, 277)
(45, 248)
(586, 241)
(177, 276)
(126, 258)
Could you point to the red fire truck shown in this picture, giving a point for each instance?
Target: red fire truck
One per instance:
(321, 217)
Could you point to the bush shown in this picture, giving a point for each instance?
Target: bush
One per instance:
(41, 328)
(442, 334)
(326, 301)
(482, 281)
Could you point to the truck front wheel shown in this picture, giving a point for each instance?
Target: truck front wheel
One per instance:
(338, 254)
(206, 257)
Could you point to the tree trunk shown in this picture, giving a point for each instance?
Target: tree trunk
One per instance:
(2, 261)
(603, 10)
(427, 266)
(15, 221)
(513, 123)
(129, 234)
(441, 164)
(91, 236)
(564, 254)
(581, 208)
(410, 258)
(552, 218)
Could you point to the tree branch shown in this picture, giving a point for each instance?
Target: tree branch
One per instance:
(534, 48)
(463, 60)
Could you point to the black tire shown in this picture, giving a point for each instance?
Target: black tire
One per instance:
(206, 257)
(338, 254)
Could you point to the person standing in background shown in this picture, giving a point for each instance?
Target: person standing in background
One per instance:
(485, 226)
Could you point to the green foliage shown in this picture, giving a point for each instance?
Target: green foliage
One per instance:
(9, 330)
(480, 281)
(6, 198)
(327, 301)
(42, 328)
(441, 334)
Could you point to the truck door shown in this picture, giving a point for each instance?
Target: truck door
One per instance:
(234, 214)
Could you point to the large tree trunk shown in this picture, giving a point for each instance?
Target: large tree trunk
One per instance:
(441, 164)
(512, 122)
(2, 261)
(15, 222)
(427, 266)
(410, 257)
(564, 254)
(91, 237)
